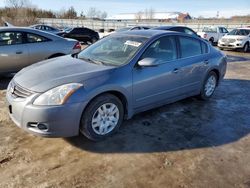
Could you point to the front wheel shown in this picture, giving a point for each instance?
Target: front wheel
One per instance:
(209, 86)
(246, 47)
(102, 117)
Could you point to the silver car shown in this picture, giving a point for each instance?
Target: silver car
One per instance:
(113, 79)
(20, 47)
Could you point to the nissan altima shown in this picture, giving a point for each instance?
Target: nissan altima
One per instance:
(112, 80)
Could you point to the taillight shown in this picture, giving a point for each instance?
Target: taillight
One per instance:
(77, 46)
(205, 36)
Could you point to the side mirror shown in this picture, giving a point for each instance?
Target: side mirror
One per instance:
(149, 62)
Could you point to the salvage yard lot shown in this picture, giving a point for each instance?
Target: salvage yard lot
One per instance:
(190, 143)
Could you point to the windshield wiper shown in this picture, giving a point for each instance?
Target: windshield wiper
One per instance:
(89, 60)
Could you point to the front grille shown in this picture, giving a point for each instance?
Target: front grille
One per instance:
(228, 40)
(18, 92)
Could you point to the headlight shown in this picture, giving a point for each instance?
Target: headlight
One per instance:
(58, 95)
(239, 39)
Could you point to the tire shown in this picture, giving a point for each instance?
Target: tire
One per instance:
(97, 126)
(211, 40)
(245, 48)
(93, 40)
(205, 93)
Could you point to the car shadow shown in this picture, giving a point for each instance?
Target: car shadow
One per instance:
(233, 58)
(187, 124)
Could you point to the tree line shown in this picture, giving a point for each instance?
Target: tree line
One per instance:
(23, 12)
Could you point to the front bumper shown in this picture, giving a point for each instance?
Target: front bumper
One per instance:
(61, 121)
(234, 45)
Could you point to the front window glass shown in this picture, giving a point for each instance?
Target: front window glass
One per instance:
(163, 49)
(113, 50)
(10, 38)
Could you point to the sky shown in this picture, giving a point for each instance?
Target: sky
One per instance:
(196, 8)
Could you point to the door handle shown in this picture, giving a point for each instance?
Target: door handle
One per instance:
(175, 70)
(206, 62)
(19, 52)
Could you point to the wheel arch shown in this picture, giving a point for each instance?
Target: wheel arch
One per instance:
(122, 97)
(217, 72)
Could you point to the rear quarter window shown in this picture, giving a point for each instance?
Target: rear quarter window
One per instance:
(204, 47)
(190, 47)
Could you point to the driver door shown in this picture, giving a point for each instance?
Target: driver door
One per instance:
(156, 84)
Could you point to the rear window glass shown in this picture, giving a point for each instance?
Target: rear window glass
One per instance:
(189, 47)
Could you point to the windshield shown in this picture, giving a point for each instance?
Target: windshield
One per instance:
(209, 29)
(242, 32)
(114, 50)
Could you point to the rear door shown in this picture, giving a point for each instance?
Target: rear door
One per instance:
(155, 84)
(39, 47)
(194, 60)
(13, 51)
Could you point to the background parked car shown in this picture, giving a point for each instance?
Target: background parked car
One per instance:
(181, 29)
(236, 39)
(20, 47)
(213, 34)
(81, 34)
(132, 28)
(47, 28)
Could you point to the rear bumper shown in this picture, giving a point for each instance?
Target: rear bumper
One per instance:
(60, 121)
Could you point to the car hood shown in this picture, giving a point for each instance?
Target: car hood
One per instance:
(48, 74)
(234, 37)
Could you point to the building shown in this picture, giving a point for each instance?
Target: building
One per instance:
(150, 15)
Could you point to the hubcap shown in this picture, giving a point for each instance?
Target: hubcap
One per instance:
(210, 85)
(105, 118)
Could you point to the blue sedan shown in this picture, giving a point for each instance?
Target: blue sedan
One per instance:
(111, 80)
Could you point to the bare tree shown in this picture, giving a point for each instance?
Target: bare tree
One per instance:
(103, 15)
(145, 14)
(139, 15)
(17, 3)
(151, 14)
(92, 12)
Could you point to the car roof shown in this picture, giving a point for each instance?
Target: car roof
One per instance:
(35, 31)
(168, 27)
(146, 33)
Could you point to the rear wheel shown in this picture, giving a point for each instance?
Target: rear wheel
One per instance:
(209, 86)
(93, 40)
(102, 117)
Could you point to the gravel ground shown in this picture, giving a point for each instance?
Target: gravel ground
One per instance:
(185, 144)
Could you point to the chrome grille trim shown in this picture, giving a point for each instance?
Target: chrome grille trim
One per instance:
(18, 91)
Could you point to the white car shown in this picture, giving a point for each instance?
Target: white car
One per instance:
(213, 34)
(236, 39)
